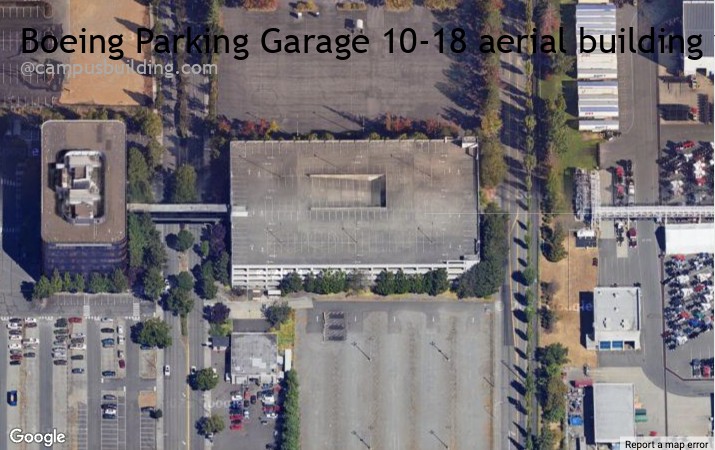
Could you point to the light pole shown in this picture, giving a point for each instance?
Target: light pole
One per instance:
(444, 355)
(355, 344)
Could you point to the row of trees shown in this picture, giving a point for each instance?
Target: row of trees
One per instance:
(485, 278)
(433, 283)
(45, 287)
(290, 431)
(492, 166)
(551, 392)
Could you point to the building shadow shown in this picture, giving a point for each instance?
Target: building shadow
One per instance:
(585, 301)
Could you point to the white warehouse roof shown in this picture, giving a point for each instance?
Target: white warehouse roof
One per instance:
(596, 20)
(689, 238)
(616, 315)
(613, 412)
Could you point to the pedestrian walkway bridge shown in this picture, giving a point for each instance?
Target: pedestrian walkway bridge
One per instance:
(181, 212)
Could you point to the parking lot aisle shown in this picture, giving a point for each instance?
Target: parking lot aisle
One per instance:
(113, 431)
(44, 357)
(147, 433)
(4, 382)
(82, 423)
(77, 401)
(60, 392)
(94, 388)
(30, 369)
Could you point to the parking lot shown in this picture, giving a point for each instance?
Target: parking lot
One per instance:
(312, 91)
(686, 173)
(46, 360)
(408, 375)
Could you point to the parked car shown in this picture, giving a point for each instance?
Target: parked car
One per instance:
(193, 370)
(120, 354)
(77, 357)
(13, 326)
(29, 355)
(14, 346)
(31, 325)
(236, 426)
(15, 363)
(15, 337)
(16, 358)
(253, 399)
(122, 364)
(60, 362)
(77, 336)
(78, 370)
(109, 373)
(120, 330)
(12, 398)
(30, 320)
(75, 320)
(78, 347)
(107, 320)
(15, 320)
(107, 342)
(109, 397)
(15, 333)
(107, 330)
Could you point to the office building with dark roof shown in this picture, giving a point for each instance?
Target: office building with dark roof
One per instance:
(306, 206)
(83, 210)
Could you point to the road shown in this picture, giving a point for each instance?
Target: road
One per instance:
(515, 201)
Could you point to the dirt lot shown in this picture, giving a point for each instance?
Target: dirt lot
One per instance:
(107, 18)
(574, 274)
(147, 398)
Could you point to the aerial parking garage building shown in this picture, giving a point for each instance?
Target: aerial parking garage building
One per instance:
(83, 210)
(351, 205)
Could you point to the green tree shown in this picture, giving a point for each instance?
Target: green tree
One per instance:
(222, 267)
(148, 122)
(153, 283)
(277, 313)
(204, 249)
(183, 186)
(309, 283)
(529, 275)
(119, 282)
(291, 283)
(98, 283)
(154, 152)
(385, 283)
(553, 355)
(184, 240)
(42, 289)
(204, 380)
(530, 163)
(492, 166)
(79, 282)
(438, 281)
(56, 282)
(356, 281)
(67, 283)
(208, 287)
(152, 333)
(138, 178)
(208, 426)
(179, 301)
(185, 281)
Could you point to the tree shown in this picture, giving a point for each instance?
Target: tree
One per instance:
(217, 240)
(208, 426)
(356, 281)
(290, 283)
(185, 281)
(553, 355)
(222, 267)
(184, 241)
(277, 313)
(42, 289)
(291, 418)
(385, 283)
(204, 249)
(204, 380)
(152, 333)
(149, 123)
(98, 283)
(208, 286)
(154, 151)
(138, 178)
(79, 282)
(492, 166)
(179, 301)
(530, 162)
(438, 281)
(183, 186)
(529, 275)
(546, 439)
(153, 283)
(56, 282)
(491, 124)
(119, 282)
(218, 313)
(67, 284)
(548, 318)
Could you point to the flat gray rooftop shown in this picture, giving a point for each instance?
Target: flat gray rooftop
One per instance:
(616, 309)
(613, 411)
(352, 202)
(253, 354)
(106, 136)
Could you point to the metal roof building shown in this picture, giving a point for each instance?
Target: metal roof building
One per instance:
(698, 19)
(689, 238)
(596, 21)
(616, 318)
(613, 412)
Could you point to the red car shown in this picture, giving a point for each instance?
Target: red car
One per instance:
(236, 426)
(235, 417)
(122, 364)
(75, 320)
(271, 409)
(15, 357)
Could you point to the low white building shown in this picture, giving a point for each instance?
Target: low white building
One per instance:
(613, 412)
(616, 319)
(254, 357)
(689, 238)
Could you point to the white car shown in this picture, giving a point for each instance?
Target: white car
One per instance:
(14, 346)
(107, 320)
(120, 340)
(30, 320)
(31, 341)
(167, 370)
(167, 285)
(15, 338)
(120, 330)
(13, 326)
(78, 347)
(77, 335)
(269, 399)
(193, 370)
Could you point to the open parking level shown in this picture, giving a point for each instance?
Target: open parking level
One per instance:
(414, 375)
